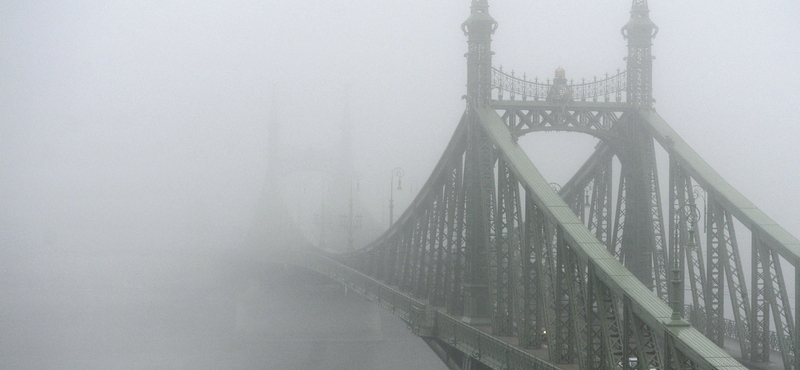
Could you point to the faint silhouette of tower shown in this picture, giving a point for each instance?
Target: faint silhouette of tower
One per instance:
(271, 229)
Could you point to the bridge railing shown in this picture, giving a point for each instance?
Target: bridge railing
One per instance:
(524, 89)
(485, 348)
(771, 247)
(731, 331)
(385, 296)
(424, 321)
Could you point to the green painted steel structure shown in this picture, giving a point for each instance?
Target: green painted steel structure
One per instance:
(495, 269)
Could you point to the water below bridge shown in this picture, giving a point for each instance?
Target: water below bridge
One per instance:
(169, 311)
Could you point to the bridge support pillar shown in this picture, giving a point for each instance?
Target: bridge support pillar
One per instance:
(479, 167)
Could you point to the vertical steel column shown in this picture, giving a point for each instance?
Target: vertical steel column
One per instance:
(715, 319)
(577, 294)
(647, 348)
(619, 219)
(612, 333)
(678, 226)
(797, 314)
(550, 292)
(599, 219)
(759, 321)
(595, 343)
(422, 252)
(565, 340)
(531, 303)
(435, 269)
(479, 171)
(455, 299)
(505, 244)
(657, 216)
(638, 240)
(437, 294)
(779, 301)
(737, 288)
(694, 253)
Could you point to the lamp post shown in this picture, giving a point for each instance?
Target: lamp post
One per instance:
(396, 172)
(699, 192)
(691, 214)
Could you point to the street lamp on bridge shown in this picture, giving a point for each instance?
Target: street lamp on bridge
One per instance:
(398, 173)
(690, 213)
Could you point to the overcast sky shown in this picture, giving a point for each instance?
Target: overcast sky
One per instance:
(151, 116)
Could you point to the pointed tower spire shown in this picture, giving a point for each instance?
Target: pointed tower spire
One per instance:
(640, 32)
(479, 28)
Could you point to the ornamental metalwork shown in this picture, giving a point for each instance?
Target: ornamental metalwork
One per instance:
(507, 86)
(490, 263)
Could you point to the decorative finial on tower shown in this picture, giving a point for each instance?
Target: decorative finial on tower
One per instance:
(479, 28)
(640, 27)
(640, 31)
(479, 16)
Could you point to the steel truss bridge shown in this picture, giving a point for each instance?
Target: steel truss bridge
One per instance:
(495, 268)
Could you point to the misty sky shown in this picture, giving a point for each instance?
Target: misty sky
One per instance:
(142, 126)
(120, 121)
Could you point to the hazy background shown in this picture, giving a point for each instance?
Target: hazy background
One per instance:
(139, 129)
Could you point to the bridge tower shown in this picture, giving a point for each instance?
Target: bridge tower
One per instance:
(489, 241)
(479, 165)
(643, 228)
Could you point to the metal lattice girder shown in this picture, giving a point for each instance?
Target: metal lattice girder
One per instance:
(660, 246)
(638, 240)
(480, 203)
(506, 241)
(599, 219)
(737, 287)
(674, 359)
(619, 219)
(531, 302)
(679, 226)
(437, 292)
(608, 307)
(645, 345)
(779, 302)
(421, 259)
(648, 308)
(565, 340)
(769, 234)
(438, 254)
(595, 173)
(417, 252)
(604, 340)
(682, 200)
(598, 119)
(455, 300)
(577, 292)
(595, 350)
(797, 314)
(717, 226)
(729, 198)
(426, 281)
(759, 321)
(550, 277)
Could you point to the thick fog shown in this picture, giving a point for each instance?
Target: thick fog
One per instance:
(134, 139)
